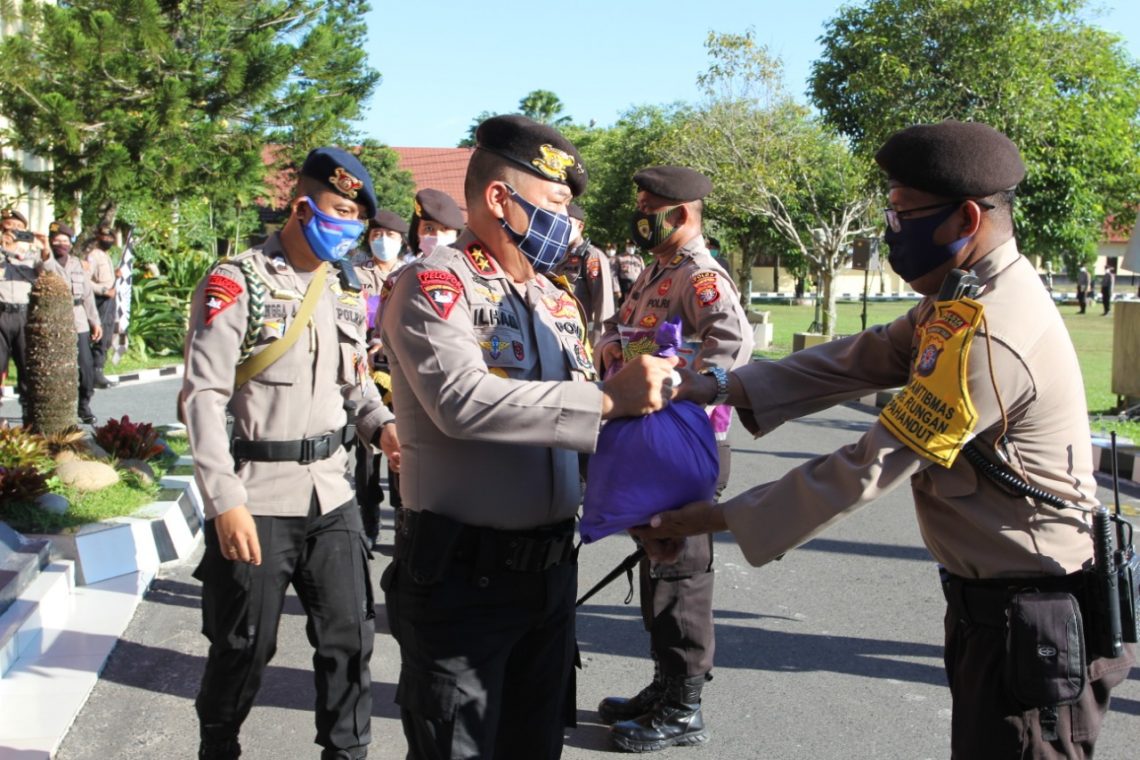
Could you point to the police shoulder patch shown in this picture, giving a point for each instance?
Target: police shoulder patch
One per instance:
(221, 292)
(706, 288)
(442, 290)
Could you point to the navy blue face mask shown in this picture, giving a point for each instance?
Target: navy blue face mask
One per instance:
(912, 250)
(546, 237)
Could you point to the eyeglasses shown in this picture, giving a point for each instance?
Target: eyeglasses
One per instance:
(894, 218)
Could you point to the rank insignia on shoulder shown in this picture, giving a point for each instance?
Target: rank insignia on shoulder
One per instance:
(442, 290)
(479, 260)
(221, 293)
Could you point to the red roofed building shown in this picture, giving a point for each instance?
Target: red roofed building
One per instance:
(438, 168)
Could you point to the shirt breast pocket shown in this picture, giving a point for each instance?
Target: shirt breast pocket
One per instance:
(353, 358)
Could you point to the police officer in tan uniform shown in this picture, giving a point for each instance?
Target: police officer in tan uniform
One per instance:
(58, 259)
(277, 341)
(628, 265)
(587, 271)
(1008, 557)
(384, 241)
(436, 220)
(102, 273)
(685, 282)
(17, 273)
(490, 378)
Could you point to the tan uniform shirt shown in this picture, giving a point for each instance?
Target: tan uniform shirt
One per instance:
(299, 396)
(82, 296)
(17, 273)
(588, 272)
(971, 526)
(102, 272)
(692, 285)
(480, 367)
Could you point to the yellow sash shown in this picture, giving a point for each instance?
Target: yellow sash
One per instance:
(261, 361)
(933, 414)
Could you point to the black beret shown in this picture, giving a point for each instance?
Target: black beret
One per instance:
(388, 220)
(60, 228)
(952, 158)
(675, 183)
(437, 206)
(11, 213)
(575, 211)
(537, 148)
(343, 173)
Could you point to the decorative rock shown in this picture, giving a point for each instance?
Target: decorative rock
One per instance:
(95, 450)
(140, 468)
(67, 455)
(53, 502)
(87, 476)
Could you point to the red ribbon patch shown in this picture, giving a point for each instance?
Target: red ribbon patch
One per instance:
(221, 293)
(442, 290)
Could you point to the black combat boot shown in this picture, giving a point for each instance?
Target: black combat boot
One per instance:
(614, 709)
(214, 749)
(675, 721)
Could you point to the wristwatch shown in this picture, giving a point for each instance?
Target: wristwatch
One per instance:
(721, 377)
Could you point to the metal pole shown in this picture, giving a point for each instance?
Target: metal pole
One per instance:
(866, 284)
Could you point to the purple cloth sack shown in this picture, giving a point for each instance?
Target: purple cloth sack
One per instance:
(646, 465)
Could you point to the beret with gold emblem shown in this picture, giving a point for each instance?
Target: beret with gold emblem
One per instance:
(60, 228)
(537, 148)
(11, 213)
(388, 220)
(437, 206)
(674, 183)
(343, 173)
(952, 158)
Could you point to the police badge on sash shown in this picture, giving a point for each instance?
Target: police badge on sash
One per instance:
(933, 415)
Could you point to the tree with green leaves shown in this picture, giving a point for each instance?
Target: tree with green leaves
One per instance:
(395, 188)
(541, 105)
(1066, 92)
(781, 180)
(137, 98)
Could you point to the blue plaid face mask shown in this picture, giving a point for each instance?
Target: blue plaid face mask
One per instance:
(546, 237)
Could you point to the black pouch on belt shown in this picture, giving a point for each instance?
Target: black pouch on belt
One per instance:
(1045, 649)
(432, 540)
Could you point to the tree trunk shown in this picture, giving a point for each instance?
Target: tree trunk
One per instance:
(827, 277)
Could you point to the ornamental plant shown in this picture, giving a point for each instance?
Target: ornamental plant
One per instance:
(21, 448)
(129, 440)
(25, 483)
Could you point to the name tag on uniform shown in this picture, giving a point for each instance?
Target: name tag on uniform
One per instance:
(933, 415)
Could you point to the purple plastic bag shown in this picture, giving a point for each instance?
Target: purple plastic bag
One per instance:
(646, 465)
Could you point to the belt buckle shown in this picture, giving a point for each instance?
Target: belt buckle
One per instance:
(311, 449)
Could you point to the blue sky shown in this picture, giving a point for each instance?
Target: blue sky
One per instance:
(445, 61)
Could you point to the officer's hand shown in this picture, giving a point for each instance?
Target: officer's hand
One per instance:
(700, 389)
(611, 358)
(237, 535)
(96, 332)
(694, 519)
(662, 551)
(375, 349)
(644, 385)
(390, 445)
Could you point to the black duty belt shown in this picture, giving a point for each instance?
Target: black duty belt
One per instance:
(520, 551)
(984, 602)
(304, 451)
(76, 301)
(14, 308)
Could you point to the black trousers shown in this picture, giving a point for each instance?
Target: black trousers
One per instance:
(988, 723)
(106, 307)
(1082, 299)
(86, 373)
(487, 661)
(369, 495)
(324, 559)
(13, 345)
(676, 600)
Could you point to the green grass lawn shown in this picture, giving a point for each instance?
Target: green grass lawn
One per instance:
(132, 361)
(1091, 333)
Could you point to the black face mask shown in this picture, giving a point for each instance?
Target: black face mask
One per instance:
(912, 250)
(650, 229)
(104, 244)
(60, 250)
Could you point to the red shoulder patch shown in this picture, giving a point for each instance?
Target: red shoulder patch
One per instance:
(442, 290)
(593, 268)
(707, 291)
(479, 259)
(221, 293)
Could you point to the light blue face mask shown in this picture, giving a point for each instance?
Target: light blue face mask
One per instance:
(330, 237)
(546, 237)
